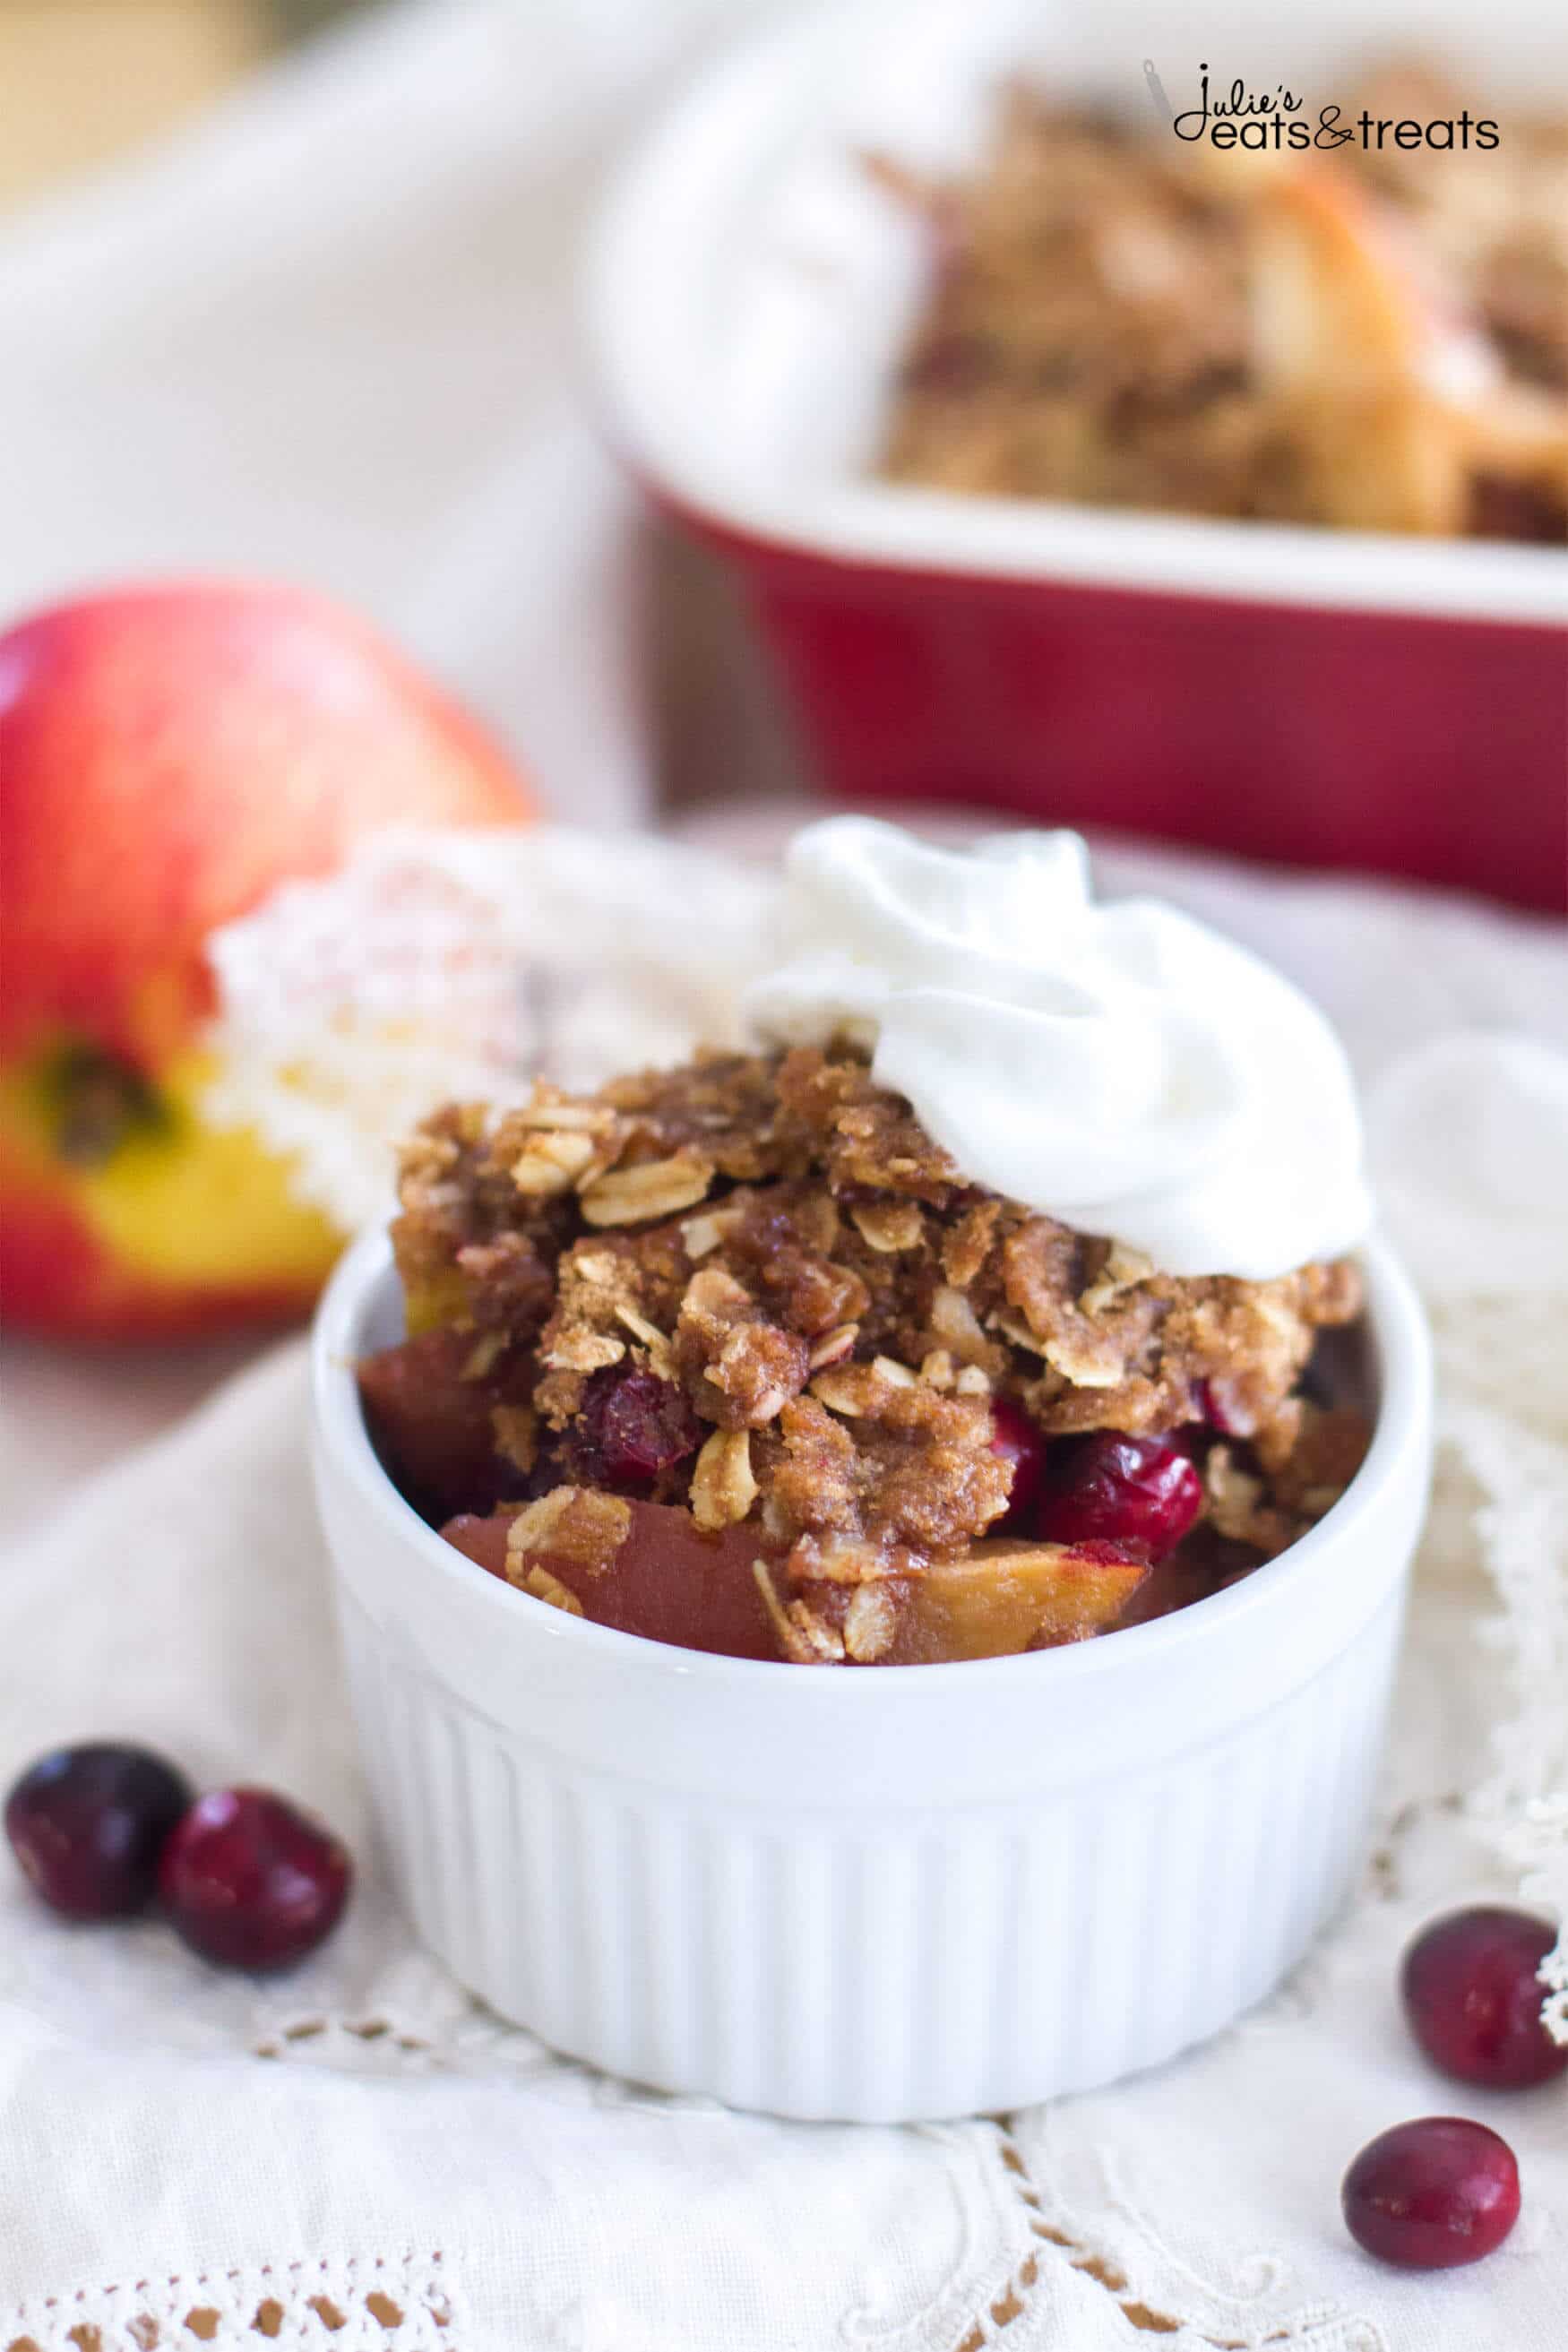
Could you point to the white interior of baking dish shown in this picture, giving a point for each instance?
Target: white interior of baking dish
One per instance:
(753, 283)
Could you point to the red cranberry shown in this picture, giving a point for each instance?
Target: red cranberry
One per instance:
(1137, 1491)
(632, 1425)
(88, 1825)
(252, 1883)
(1431, 2195)
(1016, 1439)
(1473, 1998)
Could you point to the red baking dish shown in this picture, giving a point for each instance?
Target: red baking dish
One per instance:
(1328, 698)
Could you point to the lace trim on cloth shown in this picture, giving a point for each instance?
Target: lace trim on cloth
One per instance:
(1470, 1139)
(1521, 1518)
(1012, 2301)
(404, 2304)
(1318, 2327)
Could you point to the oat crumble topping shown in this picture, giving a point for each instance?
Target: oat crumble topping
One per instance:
(752, 1291)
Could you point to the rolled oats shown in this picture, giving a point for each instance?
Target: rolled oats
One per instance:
(551, 1162)
(588, 1117)
(833, 1347)
(1083, 1362)
(809, 1639)
(888, 1226)
(647, 1189)
(957, 1326)
(852, 1390)
(656, 1342)
(713, 1292)
(582, 1352)
(703, 1233)
(1123, 1269)
(870, 1623)
(545, 1586)
(802, 1635)
(577, 1524)
(841, 1560)
(602, 1268)
(723, 1484)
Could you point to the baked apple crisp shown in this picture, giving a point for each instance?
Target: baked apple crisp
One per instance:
(1366, 338)
(731, 1356)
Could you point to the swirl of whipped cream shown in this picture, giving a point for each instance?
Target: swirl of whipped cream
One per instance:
(1122, 1069)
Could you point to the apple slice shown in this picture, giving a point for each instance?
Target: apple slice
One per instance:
(1343, 305)
(1398, 405)
(432, 1426)
(669, 1581)
(1003, 1596)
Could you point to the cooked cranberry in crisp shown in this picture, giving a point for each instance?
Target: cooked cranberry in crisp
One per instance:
(1432, 2195)
(1474, 1999)
(251, 1882)
(733, 1355)
(631, 1425)
(88, 1823)
(1022, 1442)
(1137, 1491)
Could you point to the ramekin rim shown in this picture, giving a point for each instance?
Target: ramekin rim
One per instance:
(1400, 1433)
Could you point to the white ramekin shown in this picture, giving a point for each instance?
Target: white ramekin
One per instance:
(926, 1891)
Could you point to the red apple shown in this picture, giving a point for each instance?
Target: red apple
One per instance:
(167, 757)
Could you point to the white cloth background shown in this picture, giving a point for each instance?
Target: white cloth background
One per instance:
(328, 336)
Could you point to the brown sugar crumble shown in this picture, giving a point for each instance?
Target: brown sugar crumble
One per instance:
(727, 1354)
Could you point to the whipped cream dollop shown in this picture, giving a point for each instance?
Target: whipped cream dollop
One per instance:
(1120, 1067)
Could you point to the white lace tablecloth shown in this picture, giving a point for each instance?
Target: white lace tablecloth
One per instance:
(193, 2154)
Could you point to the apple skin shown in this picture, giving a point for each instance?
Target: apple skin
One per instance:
(169, 755)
